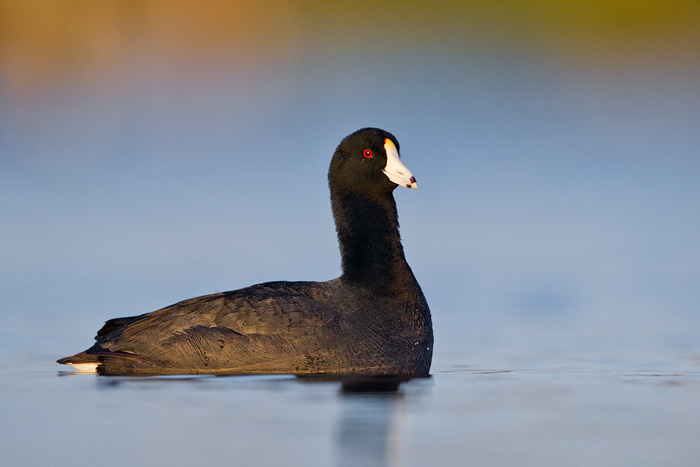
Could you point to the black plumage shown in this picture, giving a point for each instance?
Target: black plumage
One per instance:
(372, 320)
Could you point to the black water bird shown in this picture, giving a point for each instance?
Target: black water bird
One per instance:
(372, 320)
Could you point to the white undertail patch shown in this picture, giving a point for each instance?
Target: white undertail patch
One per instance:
(85, 367)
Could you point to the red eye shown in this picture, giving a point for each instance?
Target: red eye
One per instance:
(368, 154)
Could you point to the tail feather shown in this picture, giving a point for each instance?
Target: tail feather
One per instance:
(82, 362)
(93, 359)
(91, 355)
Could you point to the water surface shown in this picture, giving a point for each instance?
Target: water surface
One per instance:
(158, 152)
(542, 410)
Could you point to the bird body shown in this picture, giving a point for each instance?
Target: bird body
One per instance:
(372, 320)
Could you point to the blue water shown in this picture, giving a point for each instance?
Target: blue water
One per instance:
(555, 234)
(497, 410)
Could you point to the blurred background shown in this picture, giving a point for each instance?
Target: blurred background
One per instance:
(153, 151)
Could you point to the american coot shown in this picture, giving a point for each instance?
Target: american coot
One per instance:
(372, 320)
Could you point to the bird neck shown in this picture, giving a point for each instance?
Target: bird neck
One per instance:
(370, 244)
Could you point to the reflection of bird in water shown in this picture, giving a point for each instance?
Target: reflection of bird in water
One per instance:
(370, 421)
(367, 426)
